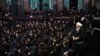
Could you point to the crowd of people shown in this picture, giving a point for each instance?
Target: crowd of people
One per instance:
(42, 37)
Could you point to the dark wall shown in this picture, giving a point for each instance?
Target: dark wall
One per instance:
(96, 23)
(73, 3)
(98, 4)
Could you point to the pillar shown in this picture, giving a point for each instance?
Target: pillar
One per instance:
(60, 4)
(93, 3)
(14, 10)
(87, 5)
(20, 8)
(40, 4)
(3, 4)
(26, 5)
(54, 8)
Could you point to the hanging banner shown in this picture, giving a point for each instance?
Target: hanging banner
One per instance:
(66, 3)
(50, 4)
(34, 4)
(46, 4)
(8, 2)
(80, 4)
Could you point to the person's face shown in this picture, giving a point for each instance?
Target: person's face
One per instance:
(78, 26)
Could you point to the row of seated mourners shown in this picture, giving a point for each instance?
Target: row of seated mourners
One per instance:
(42, 37)
(58, 13)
